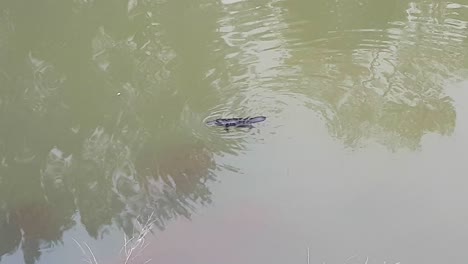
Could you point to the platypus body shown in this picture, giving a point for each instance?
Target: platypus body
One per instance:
(236, 122)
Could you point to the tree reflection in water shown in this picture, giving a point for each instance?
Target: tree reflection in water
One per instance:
(69, 145)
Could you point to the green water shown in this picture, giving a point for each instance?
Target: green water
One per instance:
(103, 105)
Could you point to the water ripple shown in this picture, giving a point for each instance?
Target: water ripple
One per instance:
(358, 78)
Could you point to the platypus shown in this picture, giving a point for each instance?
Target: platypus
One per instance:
(236, 122)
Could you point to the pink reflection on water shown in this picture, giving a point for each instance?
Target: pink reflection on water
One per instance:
(215, 236)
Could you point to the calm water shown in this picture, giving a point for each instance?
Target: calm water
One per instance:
(102, 112)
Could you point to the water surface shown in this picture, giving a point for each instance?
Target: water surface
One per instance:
(103, 107)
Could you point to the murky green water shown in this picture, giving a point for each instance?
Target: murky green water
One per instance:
(103, 105)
